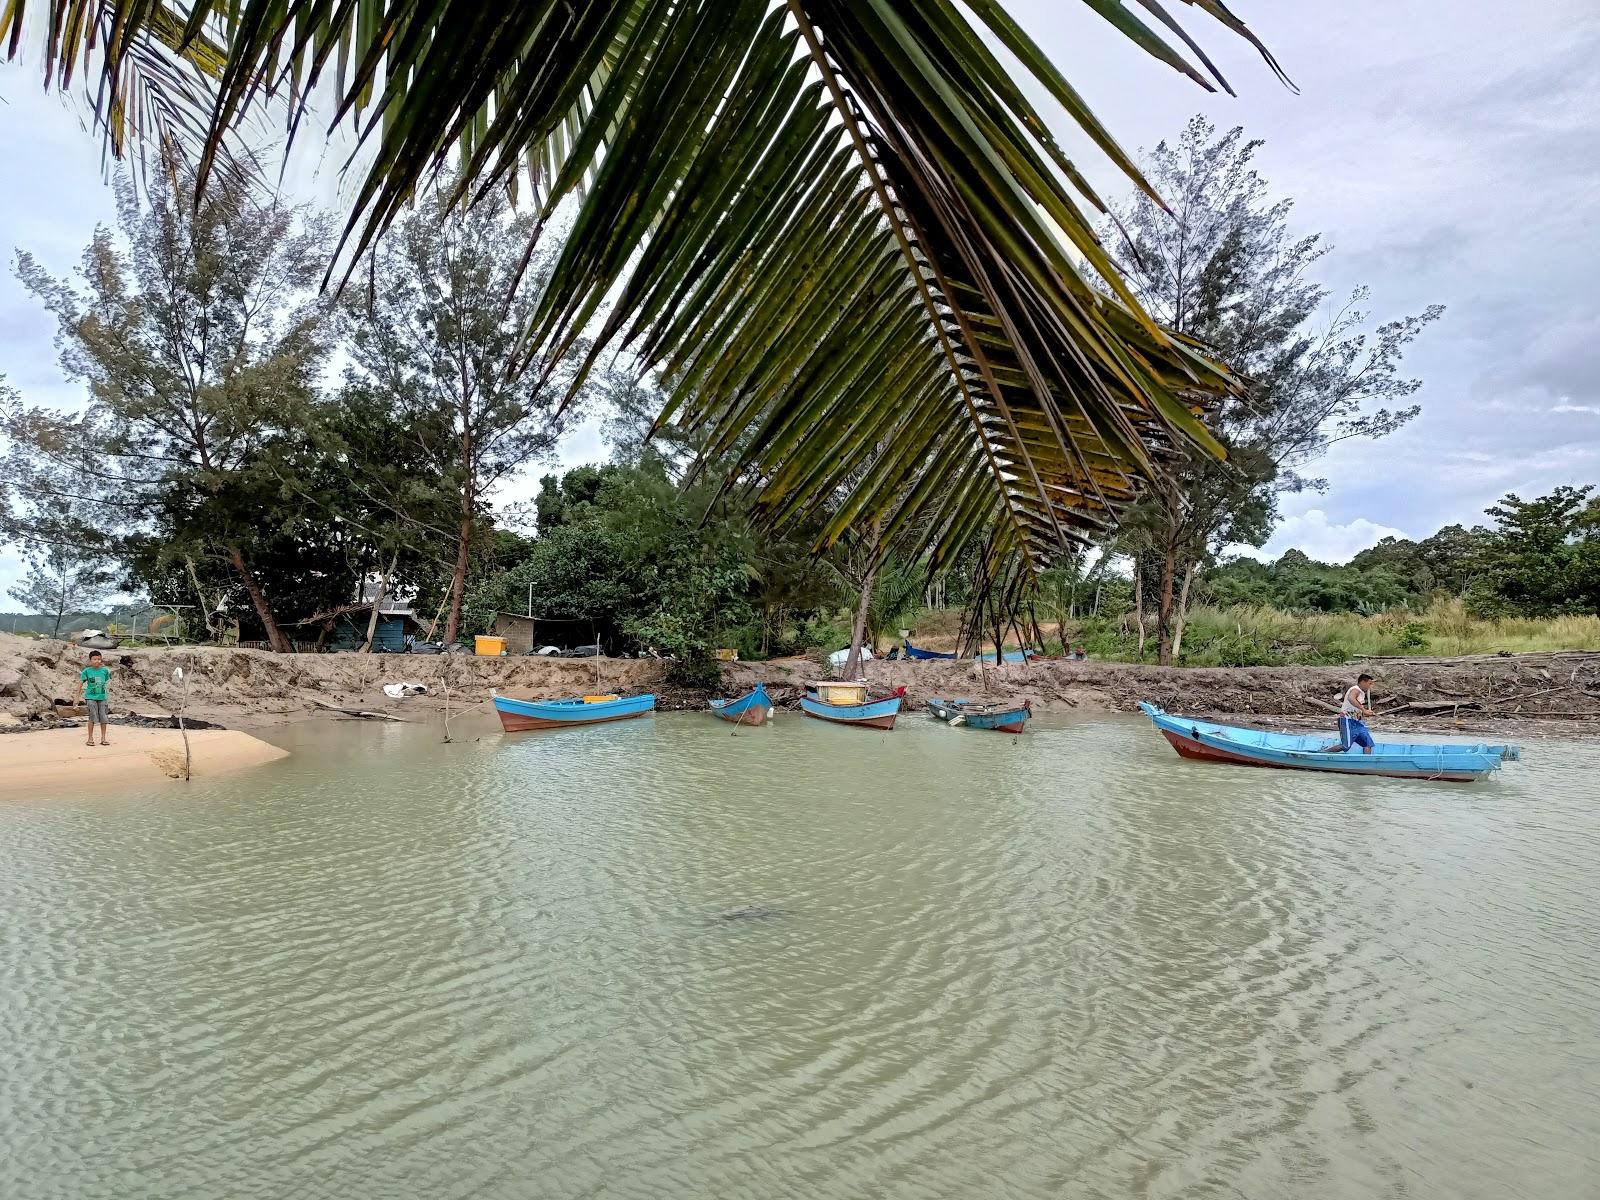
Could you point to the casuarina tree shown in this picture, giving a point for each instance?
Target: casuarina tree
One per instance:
(198, 331)
(436, 335)
(1223, 266)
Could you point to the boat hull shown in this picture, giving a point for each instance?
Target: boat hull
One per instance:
(1009, 720)
(1241, 746)
(915, 654)
(519, 716)
(752, 708)
(874, 714)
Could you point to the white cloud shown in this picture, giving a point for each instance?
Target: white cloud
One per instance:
(1321, 539)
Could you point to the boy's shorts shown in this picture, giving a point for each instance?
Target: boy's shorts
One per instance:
(1353, 733)
(97, 711)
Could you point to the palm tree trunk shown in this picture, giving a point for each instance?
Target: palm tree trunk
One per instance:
(1182, 615)
(377, 602)
(852, 664)
(258, 598)
(1138, 604)
(1169, 572)
(458, 582)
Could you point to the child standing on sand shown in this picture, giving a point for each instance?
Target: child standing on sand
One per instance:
(92, 682)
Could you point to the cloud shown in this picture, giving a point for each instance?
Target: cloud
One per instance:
(1320, 538)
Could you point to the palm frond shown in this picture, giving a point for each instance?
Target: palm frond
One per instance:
(838, 227)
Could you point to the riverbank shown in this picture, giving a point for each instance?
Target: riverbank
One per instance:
(48, 761)
(251, 689)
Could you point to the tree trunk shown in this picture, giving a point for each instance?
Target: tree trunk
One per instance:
(258, 598)
(377, 602)
(1182, 614)
(458, 583)
(1169, 572)
(1138, 604)
(852, 664)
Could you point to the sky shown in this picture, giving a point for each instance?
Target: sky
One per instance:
(1448, 149)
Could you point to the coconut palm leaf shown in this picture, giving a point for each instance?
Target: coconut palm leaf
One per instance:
(839, 228)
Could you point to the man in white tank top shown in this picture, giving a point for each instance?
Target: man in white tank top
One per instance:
(1356, 705)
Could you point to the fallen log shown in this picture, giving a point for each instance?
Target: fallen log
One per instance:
(362, 713)
(1433, 706)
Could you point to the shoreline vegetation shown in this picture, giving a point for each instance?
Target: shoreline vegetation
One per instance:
(257, 689)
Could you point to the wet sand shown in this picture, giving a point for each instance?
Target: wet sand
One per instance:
(55, 762)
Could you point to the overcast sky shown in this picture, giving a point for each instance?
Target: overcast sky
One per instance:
(1449, 149)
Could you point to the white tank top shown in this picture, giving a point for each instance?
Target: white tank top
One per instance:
(1346, 709)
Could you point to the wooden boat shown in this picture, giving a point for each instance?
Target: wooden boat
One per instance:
(917, 654)
(518, 715)
(1210, 742)
(753, 708)
(980, 714)
(849, 703)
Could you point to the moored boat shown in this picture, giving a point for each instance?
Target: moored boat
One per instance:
(752, 708)
(917, 654)
(981, 714)
(849, 703)
(518, 715)
(1209, 742)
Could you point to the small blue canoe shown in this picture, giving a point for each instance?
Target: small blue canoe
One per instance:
(1010, 656)
(850, 704)
(979, 714)
(917, 654)
(1209, 742)
(518, 715)
(753, 708)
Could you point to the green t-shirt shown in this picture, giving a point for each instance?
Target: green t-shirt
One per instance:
(94, 682)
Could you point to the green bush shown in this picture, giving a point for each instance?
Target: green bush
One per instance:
(699, 671)
(1413, 637)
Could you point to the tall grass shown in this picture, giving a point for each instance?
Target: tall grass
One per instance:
(1261, 636)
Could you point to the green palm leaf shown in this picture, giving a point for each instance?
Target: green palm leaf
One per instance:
(838, 227)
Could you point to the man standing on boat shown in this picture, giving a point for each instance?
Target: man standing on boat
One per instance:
(1357, 704)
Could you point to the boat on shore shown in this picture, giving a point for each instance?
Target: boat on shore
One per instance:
(918, 654)
(752, 708)
(849, 703)
(1207, 741)
(1003, 717)
(519, 715)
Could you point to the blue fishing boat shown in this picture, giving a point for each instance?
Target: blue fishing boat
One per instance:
(518, 715)
(1210, 742)
(752, 708)
(917, 654)
(980, 714)
(1010, 656)
(850, 704)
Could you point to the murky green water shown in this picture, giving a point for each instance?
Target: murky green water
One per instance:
(969, 966)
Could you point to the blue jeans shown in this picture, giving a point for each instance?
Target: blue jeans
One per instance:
(1353, 733)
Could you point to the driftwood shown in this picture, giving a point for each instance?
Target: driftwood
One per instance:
(1322, 704)
(1432, 706)
(362, 713)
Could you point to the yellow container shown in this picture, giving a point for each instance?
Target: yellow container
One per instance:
(727, 656)
(599, 699)
(490, 647)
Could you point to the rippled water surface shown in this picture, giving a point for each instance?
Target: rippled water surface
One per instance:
(660, 959)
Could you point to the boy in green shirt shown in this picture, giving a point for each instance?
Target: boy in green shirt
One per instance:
(92, 682)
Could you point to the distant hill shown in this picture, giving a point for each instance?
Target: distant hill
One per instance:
(14, 622)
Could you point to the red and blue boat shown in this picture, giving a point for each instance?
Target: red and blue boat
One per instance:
(981, 714)
(849, 703)
(519, 715)
(752, 708)
(1210, 742)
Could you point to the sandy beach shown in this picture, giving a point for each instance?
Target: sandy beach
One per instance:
(55, 762)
